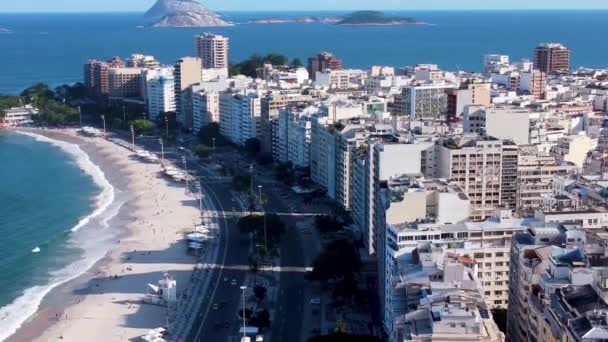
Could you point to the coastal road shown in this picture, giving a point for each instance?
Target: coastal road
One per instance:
(293, 294)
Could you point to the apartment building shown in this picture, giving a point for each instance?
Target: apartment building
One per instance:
(485, 169)
(322, 62)
(160, 95)
(441, 300)
(96, 75)
(471, 92)
(534, 83)
(205, 108)
(552, 58)
(558, 285)
(535, 175)
(125, 83)
(187, 71)
(322, 153)
(240, 115)
(426, 101)
(295, 135)
(341, 79)
(212, 49)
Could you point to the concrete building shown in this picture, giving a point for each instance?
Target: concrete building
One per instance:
(493, 61)
(534, 83)
(322, 153)
(535, 175)
(426, 101)
(485, 169)
(240, 115)
(187, 71)
(295, 135)
(341, 79)
(574, 149)
(96, 75)
(212, 49)
(441, 299)
(205, 108)
(142, 61)
(125, 83)
(508, 123)
(471, 92)
(557, 285)
(19, 116)
(322, 62)
(160, 91)
(552, 58)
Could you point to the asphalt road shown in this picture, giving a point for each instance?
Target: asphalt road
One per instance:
(223, 323)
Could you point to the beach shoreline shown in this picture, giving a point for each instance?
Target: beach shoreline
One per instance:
(150, 225)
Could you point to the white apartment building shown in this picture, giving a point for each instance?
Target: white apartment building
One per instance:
(295, 135)
(574, 149)
(341, 79)
(212, 49)
(205, 109)
(322, 153)
(240, 115)
(159, 91)
(19, 116)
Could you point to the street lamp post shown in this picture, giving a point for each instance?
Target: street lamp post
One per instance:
(103, 118)
(186, 169)
(133, 137)
(251, 179)
(263, 213)
(124, 117)
(162, 149)
(80, 115)
(200, 195)
(166, 126)
(243, 288)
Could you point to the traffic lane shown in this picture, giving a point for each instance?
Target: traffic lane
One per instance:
(237, 256)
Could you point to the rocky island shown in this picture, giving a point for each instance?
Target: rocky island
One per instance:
(375, 18)
(182, 13)
(356, 18)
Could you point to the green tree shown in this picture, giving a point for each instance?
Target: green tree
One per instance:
(296, 63)
(255, 224)
(210, 132)
(252, 147)
(284, 172)
(203, 151)
(338, 260)
(241, 183)
(328, 223)
(142, 126)
(259, 292)
(261, 319)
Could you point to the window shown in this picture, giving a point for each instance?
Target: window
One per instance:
(488, 264)
(489, 274)
(498, 283)
(479, 275)
(478, 256)
(498, 293)
(498, 302)
(499, 273)
(487, 293)
(498, 263)
(499, 254)
(488, 255)
(487, 283)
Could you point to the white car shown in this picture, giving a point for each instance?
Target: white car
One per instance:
(233, 282)
(315, 301)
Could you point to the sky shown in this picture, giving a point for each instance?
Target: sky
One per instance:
(266, 5)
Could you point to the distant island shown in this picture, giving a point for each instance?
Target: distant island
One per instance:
(356, 18)
(375, 18)
(182, 13)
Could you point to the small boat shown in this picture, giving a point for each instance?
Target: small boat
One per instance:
(36, 250)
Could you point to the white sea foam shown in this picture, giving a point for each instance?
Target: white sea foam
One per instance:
(94, 242)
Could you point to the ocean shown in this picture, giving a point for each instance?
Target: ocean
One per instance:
(52, 197)
(52, 47)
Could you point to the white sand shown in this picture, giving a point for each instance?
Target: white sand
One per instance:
(112, 310)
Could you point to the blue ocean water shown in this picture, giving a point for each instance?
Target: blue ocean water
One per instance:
(51, 197)
(52, 47)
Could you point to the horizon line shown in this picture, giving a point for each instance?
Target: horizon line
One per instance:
(330, 10)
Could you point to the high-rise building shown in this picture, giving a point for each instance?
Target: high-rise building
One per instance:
(535, 83)
(322, 62)
(240, 115)
(212, 49)
(485, 169)
(96, 75)
(125, 82)
(426, 101)
(159, 91)
(187, 71)
(552, 58)
(205, 108)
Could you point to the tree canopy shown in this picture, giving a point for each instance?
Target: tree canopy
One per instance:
(142, 126)
(255, 224)
(250, 66)
(210, 132)
(339, 259)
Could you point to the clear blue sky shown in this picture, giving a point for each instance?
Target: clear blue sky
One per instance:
(265, 5)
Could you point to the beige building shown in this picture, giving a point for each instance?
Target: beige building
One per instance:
(552, 58)
(485, 169)
(535, 175)
(187, 71)
(125, 82)
(212, 49)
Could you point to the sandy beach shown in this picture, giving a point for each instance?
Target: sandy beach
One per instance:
(105, 303)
